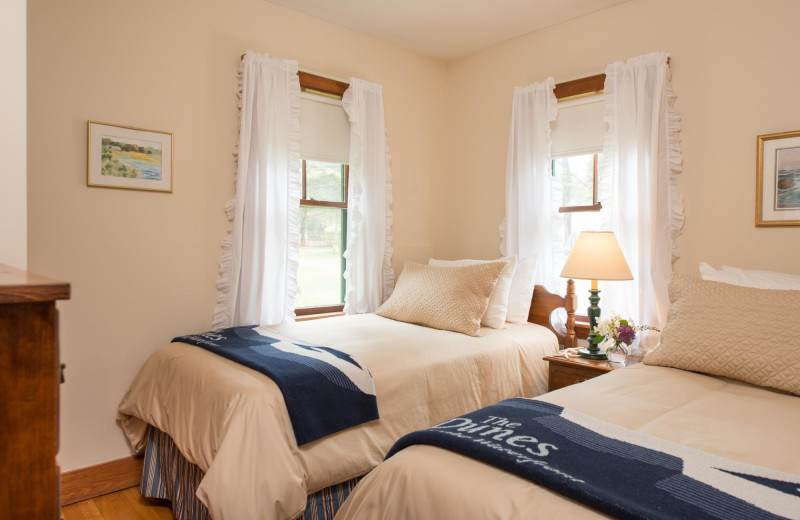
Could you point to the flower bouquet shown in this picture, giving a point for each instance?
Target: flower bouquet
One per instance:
(615, 335)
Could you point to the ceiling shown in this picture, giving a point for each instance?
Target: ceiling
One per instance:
(446, 29)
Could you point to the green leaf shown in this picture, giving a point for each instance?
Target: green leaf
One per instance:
(598, 339)
(623, 322)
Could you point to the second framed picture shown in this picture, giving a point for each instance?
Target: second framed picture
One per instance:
(129, 157)
(778, 179)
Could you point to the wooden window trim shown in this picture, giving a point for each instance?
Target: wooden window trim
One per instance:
(319, 84)
(323, 204)
(311, 317)
(326, 309)
(576, 209)
(580, 87)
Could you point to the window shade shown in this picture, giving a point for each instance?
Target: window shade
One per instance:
(325, 129)
(579, 127)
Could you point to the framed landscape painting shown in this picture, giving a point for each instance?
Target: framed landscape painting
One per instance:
(778, 179)
(129, 158)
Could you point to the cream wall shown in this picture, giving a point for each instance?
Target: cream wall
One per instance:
(13, 200)
(143, 265)
(735, 75)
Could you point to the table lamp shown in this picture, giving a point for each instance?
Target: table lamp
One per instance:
(596, 256)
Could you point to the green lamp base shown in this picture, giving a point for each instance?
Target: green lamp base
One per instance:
(589, 354)
(593, 352)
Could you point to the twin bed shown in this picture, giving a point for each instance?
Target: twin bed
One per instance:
(717, 416)
(743, 408)
(218, 437)
(723, 387)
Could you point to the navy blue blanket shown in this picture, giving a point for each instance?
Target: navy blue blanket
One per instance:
(620, 472)
(325, 390)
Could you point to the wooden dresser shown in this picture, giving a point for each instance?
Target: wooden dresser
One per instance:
(29, 378)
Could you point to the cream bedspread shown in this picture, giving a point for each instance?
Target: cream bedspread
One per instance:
(723, 417)
(232, 422)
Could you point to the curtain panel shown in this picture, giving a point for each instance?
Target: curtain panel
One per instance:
(530, 228)
(368, 275)
(258, 269)
(638, 180)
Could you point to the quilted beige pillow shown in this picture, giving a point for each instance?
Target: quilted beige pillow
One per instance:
(495, 315)
(737, 332)
(449, 298)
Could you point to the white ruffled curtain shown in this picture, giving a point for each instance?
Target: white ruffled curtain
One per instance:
(259, 264)
(529, 228)
(638, 182)
(369, 278)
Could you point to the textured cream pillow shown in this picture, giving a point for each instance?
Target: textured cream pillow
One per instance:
(448, 298)
(495, 315)
(726, 330)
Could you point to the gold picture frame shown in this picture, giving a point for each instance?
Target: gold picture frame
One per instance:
(127, 157)
(778, 179)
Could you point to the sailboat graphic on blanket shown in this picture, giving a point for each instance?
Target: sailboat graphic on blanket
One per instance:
(325, 390)
(624, 473)
(718, 486)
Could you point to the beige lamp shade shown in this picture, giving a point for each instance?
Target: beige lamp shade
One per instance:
(597, 256)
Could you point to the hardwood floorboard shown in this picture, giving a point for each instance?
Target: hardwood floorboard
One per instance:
(127, 504)
(85, 510)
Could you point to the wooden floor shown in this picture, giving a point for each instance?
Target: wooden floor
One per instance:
(127, 504)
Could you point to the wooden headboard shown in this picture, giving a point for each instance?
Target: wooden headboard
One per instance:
(544, 303)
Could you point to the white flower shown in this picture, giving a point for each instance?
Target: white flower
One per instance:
(607, 344)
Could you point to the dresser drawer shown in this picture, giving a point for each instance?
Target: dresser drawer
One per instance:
(561, 376)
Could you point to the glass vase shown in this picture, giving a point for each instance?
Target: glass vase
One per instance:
(618, 353)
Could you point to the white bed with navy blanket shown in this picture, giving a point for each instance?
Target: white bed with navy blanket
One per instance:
(232, 423)
(724, 418)
(714, 411)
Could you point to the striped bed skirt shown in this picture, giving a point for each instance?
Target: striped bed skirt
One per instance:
(167, 475)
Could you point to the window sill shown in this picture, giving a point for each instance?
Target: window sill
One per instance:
(572, 209)
(309, 317)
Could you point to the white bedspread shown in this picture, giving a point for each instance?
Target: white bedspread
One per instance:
(231, 421)
(723, 417)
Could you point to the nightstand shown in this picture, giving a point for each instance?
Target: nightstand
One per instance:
(564, 372)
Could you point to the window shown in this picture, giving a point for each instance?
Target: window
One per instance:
(577, 145)
(323, 236)
(325, 149)
(577, 142)
(575, 177)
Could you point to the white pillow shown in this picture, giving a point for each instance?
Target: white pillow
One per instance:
(766, 279)
(495, 315)
(519, 298)
(750, 277)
